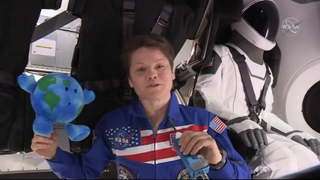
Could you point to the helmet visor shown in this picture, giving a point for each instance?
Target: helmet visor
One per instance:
(264, 18)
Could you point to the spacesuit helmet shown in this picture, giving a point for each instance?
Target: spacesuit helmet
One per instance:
(259, 23)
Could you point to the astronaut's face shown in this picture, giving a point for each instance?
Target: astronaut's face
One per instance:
(150, 74)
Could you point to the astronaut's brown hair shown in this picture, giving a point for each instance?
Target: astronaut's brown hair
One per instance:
(148, 41)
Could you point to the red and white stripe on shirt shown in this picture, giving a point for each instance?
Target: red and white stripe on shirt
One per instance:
(157, 150)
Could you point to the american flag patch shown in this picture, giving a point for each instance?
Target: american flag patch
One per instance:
(217, 125)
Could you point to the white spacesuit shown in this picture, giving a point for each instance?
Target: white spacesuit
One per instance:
(282, 149)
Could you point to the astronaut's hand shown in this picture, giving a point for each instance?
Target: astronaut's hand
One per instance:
(250, 132)
(306, 140)
(45, 146)
(192, 142)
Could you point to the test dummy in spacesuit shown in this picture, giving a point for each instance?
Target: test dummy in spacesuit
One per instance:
(281, 149)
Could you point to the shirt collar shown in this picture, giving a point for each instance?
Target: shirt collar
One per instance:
(173, 111)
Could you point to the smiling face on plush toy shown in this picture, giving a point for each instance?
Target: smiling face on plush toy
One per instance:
(59, 97)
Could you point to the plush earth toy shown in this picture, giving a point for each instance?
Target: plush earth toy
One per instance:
(57, 99)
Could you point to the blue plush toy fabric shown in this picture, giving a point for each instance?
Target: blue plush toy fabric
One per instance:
(57, 99)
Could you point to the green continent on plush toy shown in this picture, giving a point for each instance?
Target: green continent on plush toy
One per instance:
(57, 99)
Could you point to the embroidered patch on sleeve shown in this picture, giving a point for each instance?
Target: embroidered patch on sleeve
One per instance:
(217, 125)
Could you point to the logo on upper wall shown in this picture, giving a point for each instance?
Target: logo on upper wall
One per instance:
(290, 26)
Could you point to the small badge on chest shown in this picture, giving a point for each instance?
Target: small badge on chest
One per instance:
(172, 137)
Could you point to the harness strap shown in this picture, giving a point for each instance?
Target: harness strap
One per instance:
(255, 106)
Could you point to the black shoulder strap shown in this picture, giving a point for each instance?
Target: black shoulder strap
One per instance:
(163, 18)
(254, 105)
(265, 88)
(244, 72)
(128, 15)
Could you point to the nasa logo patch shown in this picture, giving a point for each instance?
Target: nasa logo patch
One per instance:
(122, 138)
(124, 173)
(184, 174)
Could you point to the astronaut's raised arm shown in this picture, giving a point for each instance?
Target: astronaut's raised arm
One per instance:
(209, 84)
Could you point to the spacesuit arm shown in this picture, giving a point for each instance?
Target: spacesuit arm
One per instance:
(209, 85)
(235, 167)
(89, 165)
(270, 122)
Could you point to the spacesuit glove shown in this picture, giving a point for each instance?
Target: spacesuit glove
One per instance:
(306, 140)
(250, 132)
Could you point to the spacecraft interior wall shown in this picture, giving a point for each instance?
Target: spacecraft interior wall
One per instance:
(54, 52)
(298, 39)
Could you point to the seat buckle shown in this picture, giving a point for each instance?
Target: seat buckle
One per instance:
(129, 12)
(162, 22)
(255, 111)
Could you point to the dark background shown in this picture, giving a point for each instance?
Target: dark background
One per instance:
(111, 173)
(47, 175)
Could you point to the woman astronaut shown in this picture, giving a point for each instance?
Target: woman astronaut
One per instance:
(138, 137)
